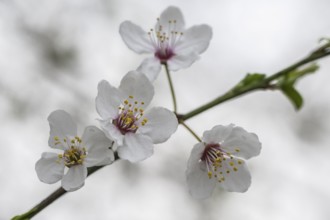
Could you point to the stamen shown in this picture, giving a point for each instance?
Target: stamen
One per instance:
(130, 113)
(214, 157)
(164, 41)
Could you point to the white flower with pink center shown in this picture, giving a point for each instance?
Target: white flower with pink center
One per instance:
(219, 159)
(91, 149)
(124, 118)
(168, 41)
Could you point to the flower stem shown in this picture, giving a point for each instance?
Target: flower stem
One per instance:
(52, 197)
(191, 131)
(264, 84)
(171, 87)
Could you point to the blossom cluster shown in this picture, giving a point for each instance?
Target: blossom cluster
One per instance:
(127, 123)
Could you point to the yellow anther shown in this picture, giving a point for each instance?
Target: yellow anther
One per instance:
(135, 102)
(237, 150)
(64, 139)
(72, 141)
(131, 97)
(235, 169)
(60, 156)
(142, 103)
(218, 159)
(126, 102)
(231, 163)
(209, 174)
(56, 143)
(135, 109)
(56, 138)
(128, 121)
(228, 171)
(223, 179)
(239, 162)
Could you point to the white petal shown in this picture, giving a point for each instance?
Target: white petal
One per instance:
(75, 178)
(61, 126)
(170, 14)
(108, 159)
(107, 100)
(242, 143)
(136, 148)
(235, 181)
(137, 85)
(217, 134)
(97, 145)
(161, 124)
(199, 184)
(181, 61)
(150, 67)
(195, 39)
(135, 38)
(112, 132)
(48, 170)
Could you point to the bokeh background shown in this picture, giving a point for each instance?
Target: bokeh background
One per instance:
(54, 53)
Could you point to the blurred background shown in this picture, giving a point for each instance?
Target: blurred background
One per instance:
(54, 53)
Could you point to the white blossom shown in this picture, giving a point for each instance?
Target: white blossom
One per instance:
(124, 118)
(91, 149)
(219, 159)
(168, 41)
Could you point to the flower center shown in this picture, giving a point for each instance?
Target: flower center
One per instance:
(164, 41)
(130, 113)
(75, 155)
(219, 163)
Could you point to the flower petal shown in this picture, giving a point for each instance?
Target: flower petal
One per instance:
(181, 61)
(242, 143)
(108, 158)
(200, 186)
(75, 178)
(97, 145)
(135, 38)
(171, 14)
(137, 85)
(112, 132)
(217, 134)
(136, 148)
(161, 124)
(107, 100)
(48, 169)
(150, 67)
(195, 39)
(61, 126)
(237, 177)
